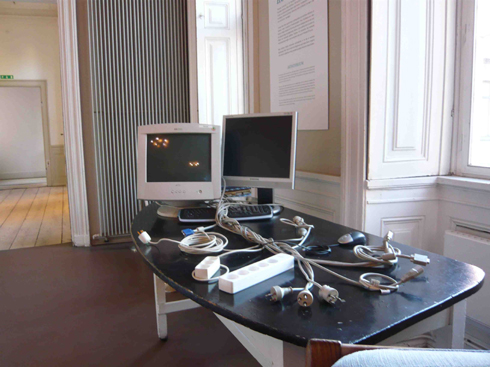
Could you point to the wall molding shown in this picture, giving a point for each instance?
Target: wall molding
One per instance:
(72, 119)
(402, 183)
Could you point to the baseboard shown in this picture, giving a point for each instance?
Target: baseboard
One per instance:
(20, 175)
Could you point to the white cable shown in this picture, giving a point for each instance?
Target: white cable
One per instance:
(199, 243)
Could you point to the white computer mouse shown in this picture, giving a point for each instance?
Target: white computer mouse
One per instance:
(353, 238)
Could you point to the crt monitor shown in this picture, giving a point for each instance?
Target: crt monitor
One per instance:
(259, 150)
(179, 163)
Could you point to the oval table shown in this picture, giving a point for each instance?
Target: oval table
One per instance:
(437, 296)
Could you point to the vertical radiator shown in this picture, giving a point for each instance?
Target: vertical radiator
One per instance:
(139, 76)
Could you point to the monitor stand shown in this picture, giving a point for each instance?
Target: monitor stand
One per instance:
(265, 196)
(171, 209)
(166, 211)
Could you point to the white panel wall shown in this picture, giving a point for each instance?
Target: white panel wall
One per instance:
(409, 209)
(420, 210)
(21, 137)
(30, 51)
(411, 50)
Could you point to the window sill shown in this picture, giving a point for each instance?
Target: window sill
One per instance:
(428, 182)
(464, 182)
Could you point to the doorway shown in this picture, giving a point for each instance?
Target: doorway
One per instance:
(33, 194)
(24, 143)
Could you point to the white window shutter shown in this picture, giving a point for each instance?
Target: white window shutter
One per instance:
(411, 78)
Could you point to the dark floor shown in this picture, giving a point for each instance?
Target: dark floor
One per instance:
(65, 306)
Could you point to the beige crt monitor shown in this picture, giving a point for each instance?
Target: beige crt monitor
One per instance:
(179, 163)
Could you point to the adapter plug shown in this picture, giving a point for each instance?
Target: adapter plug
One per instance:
(329, 294)
(278, 293)
(388, 236)
(420, 259)
(305, 298)
(144, 237)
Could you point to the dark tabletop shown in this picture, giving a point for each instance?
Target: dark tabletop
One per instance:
(365, 317)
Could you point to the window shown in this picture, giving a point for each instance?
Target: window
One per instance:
(473, 90)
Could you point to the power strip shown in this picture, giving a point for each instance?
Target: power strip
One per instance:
(207, 268)
(250, 275)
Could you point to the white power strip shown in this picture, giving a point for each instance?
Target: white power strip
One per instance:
(207, 268)
(250, 275)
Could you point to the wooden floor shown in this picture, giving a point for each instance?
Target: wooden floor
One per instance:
(34, 217)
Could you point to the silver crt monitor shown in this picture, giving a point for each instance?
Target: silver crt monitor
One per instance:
(259, 150)
(179, 163)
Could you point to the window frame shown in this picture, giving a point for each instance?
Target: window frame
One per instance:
(463, 93)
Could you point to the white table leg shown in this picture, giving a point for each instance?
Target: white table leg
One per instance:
(458, 325)
(163, 307)
(160, 301)
(266, 350)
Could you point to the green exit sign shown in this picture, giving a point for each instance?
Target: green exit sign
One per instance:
(6, 77)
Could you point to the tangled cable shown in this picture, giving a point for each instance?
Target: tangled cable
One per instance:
(372, 256)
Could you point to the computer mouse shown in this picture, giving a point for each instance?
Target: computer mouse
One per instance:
(353, 238)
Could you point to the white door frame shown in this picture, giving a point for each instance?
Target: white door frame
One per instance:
(42, 85)
(354, 118)
(72, 120)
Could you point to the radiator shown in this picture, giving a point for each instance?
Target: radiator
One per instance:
(473, 250)
(139, 76)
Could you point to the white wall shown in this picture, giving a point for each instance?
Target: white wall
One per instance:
(21, 140)
(30, 51)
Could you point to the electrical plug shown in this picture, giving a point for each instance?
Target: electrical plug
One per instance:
(299, 221)
(277, 293)
(305, 298)
(329, 294)
(144, 237)
(413, 273)
(301, 231)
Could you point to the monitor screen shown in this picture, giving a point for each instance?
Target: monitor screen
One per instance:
(178, 157)
(258, 146)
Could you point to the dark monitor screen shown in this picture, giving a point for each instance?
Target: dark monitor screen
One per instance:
(258, 146)
(178, 157)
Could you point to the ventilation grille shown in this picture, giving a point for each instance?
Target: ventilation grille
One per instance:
(139, 76)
